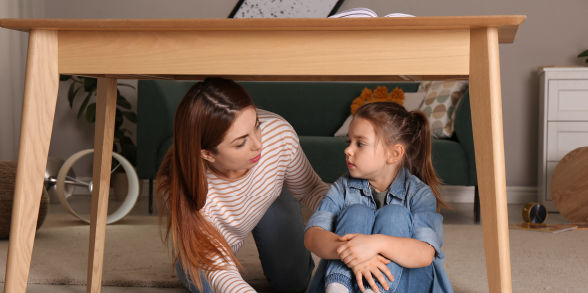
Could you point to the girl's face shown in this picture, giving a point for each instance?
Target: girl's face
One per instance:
(367, 157)
(240, 149)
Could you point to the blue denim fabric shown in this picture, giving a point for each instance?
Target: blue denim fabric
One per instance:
(362, 219)
(420, 218)
(189, 285)
(279, 237)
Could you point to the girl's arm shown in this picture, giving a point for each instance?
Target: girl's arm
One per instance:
(318, 237)
(322, 242)
(407, 252)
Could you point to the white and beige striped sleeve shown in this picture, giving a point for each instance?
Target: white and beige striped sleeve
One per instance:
(228, 280)
(301, 180)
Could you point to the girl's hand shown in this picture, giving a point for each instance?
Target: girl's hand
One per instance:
(357, 248)
(373, 267)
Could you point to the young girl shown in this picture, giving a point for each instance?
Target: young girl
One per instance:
(380, 222)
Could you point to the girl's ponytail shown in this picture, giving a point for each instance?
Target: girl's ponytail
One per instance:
(418, 157)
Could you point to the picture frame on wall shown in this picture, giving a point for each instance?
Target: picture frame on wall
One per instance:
(285, 8)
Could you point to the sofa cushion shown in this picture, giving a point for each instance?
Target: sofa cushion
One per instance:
(464, 135)
(450, 162)
(326, 156)
(163, 148)
(439, 104)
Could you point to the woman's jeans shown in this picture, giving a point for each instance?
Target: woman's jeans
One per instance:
(279, 237)
(392, 220)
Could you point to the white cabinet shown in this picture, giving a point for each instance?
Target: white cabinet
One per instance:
(563, 120)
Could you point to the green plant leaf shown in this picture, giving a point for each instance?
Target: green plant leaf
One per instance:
(122, 137)
(126, 146)
(118, 134)
(91, 113)
(90, 84)
(122, 101)
(115, 149)
(84, 104)
(126, 140)
(130, 153)
(132, 116)
(118, 119)
(583, 54)
(117, 137)
(71, 94)
(77, 79)
(126, 85)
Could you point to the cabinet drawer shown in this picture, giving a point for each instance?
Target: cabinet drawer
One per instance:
(563, 137)
(567, 100)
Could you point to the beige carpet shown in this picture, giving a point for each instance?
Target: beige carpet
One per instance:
(135, 256)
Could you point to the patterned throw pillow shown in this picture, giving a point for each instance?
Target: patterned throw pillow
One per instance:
(441, 100)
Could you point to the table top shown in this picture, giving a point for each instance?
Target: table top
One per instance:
(507, 24)
(447, 34)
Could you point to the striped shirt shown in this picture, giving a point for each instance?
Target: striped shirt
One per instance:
(235, 207)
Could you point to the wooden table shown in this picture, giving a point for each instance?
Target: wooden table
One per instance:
(253, 49)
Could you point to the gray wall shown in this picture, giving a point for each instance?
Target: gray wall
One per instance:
(553, 34)
(12, 59)
(69, 134)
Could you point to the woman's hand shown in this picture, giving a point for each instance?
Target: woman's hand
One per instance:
(357, 248)
(374, 267)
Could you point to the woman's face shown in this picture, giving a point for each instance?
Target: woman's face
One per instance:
(240, 149)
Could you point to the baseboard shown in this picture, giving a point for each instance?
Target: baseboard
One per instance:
(465, 194)
(449, 193)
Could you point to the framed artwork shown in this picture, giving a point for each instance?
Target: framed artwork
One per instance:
(285, 8)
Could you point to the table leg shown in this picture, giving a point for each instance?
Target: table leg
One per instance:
(486, 107)
(103, 141)
(38, 111)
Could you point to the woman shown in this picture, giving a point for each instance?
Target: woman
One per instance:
(222, 179)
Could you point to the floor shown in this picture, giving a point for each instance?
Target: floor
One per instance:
(460, 213)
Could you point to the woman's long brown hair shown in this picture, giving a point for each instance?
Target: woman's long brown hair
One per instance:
(394, 124)
(202, 118)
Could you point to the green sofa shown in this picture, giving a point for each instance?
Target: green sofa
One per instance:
(316, 110)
